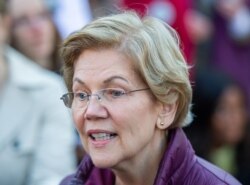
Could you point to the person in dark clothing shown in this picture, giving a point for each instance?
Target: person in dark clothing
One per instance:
(130, 94)
(219, 132)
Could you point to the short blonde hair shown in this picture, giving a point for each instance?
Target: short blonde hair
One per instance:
(151, 44)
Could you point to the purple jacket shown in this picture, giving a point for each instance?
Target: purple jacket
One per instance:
(179, 166)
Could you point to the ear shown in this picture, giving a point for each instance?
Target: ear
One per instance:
(166, 116)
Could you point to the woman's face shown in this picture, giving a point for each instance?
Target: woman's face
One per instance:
(230, 117)
(126, 126)
(32, 29)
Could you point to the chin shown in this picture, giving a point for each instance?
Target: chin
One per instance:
(102, 161)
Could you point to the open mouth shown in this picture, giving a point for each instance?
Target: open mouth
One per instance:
(102, 136)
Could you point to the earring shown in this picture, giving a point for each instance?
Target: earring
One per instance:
(159, 122)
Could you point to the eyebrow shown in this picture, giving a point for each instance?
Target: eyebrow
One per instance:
(78, 80)
(114, 78)
(105, 81)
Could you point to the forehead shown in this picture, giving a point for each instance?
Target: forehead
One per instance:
(25, 7)
(105, 63)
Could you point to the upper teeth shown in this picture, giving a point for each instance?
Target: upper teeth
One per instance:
(102, 136)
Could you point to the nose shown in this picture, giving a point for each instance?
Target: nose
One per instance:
(97, 96)
(35, 24)
(94, 108)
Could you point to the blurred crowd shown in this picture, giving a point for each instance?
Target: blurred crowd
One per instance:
(38, 143)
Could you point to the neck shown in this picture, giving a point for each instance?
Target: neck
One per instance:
(143, 168)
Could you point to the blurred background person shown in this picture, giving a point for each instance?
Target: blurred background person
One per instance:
(33, 32)
(228, 48)
(231, 41)
(220, 130)
(37, 138)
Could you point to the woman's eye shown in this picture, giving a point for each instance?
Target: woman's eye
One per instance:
(81, 96)
(115, 93)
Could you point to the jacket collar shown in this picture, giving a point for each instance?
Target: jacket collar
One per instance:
(88, 174)
(177, 161)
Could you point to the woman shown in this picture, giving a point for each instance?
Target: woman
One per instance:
(129, 95)
(221, 126)
(33, 32)
(35, 128)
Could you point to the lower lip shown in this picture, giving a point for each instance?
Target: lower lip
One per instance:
(101, 143)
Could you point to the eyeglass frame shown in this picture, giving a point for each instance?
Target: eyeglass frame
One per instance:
(99, 94)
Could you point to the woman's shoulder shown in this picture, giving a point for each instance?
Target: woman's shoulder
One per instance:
(207, 173)
(187, 167)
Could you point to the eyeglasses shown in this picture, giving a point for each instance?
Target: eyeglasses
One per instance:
(80, 100)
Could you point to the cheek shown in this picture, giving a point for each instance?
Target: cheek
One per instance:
(78, 121)
(49, 35)
(79, 124)
(18, 36)
(22, 40)
(134, 117)
(218, 124)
